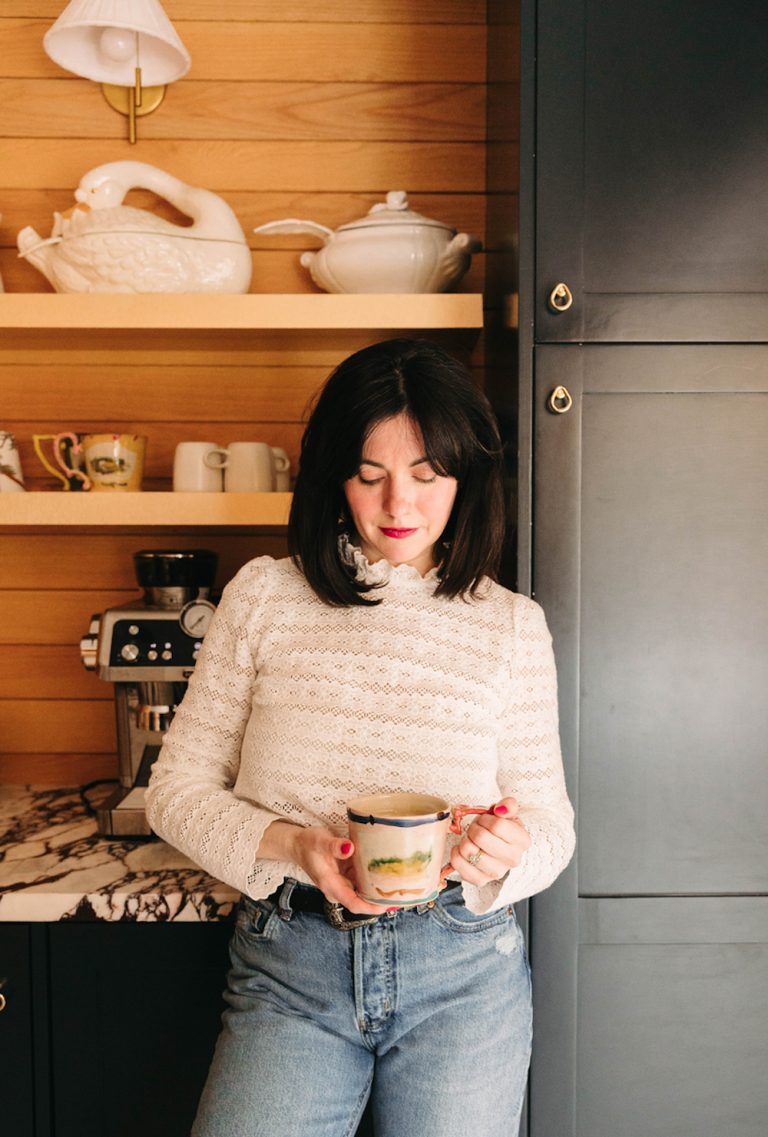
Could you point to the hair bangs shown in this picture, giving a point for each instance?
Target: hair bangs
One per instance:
(461, 440)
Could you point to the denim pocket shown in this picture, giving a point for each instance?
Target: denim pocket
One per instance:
(256, 918)
(455, 915)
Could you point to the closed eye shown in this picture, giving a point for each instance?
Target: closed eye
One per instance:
(375, 481)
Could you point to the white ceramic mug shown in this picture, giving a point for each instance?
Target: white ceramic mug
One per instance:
(399, 845)
(282, 464)
(197, 468)
(11, 477)
(249, 467)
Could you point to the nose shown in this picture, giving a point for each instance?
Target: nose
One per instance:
(397, 499)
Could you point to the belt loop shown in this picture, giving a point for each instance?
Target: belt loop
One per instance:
(284, 910)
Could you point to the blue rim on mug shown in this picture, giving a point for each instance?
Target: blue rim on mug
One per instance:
(400, 822)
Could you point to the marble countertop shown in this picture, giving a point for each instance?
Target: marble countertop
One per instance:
(55, 866)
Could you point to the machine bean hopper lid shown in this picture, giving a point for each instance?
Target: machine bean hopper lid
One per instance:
(172, 577)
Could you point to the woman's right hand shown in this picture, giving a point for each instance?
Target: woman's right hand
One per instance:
(323, 856)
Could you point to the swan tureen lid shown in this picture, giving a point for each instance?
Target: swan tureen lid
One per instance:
(394, 211)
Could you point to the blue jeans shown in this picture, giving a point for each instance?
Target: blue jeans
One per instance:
(426, 1011)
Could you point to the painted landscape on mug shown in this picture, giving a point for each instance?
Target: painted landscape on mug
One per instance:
(400, 876)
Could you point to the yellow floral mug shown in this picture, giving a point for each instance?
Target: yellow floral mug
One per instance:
(114, 462)
(399, 845)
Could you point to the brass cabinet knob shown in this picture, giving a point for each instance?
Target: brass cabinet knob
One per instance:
(560, 401)
(560, 298)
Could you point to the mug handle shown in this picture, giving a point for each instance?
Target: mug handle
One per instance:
(76, 449)
(216, 465)
(282, 462)
(458, 813)
(37, 442)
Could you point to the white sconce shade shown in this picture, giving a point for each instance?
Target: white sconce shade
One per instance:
(106, 40)
(129, 46)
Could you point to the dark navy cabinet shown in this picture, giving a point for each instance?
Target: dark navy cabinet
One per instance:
(108, 1028)
(652, 165)
(650, 558)
(644, 409)
(17, 1064)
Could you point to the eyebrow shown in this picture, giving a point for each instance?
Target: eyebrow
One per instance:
(381, 466)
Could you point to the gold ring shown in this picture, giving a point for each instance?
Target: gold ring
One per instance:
(474, 859)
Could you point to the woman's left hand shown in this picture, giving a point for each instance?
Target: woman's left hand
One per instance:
(492, 845)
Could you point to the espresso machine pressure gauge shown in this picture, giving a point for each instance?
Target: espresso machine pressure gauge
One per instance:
(195, 617)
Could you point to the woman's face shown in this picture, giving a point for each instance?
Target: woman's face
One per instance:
(399, 505)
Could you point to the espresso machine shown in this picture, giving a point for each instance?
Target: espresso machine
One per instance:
(147, 649)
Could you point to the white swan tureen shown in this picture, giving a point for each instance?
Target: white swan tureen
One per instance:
(101, 245)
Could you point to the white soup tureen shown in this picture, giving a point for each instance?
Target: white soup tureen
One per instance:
(392, 249)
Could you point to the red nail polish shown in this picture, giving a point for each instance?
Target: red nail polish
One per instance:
(346, 848)
(501, 809)
(391, 909)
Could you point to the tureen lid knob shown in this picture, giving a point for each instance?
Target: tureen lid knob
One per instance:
(397, 201)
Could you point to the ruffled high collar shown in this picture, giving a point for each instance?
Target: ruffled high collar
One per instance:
(380, 572)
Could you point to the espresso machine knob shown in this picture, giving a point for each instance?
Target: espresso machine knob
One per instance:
(89, 644)
(129, 652)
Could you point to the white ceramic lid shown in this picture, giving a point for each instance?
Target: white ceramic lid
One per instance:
(394, 211)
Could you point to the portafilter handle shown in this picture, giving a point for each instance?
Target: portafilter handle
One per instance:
(155, 718)
(157, 703)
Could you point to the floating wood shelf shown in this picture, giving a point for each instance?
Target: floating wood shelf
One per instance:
(174, 319)
(114, 511)
(268, 312)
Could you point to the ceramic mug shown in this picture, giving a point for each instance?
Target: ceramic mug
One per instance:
(67, 454)
(282, 464)
(114, 462)
(399, 842)
(11, 477)
(197, 468)
(249, 467)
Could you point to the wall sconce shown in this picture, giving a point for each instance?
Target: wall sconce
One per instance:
(129, 46)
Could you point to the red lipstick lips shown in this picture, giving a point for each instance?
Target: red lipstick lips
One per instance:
(398, 534)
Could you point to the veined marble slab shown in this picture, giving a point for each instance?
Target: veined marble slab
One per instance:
(55, 866)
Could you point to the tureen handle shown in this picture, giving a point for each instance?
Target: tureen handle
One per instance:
(294, 225)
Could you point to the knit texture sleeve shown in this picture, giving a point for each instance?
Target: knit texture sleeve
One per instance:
(530, 765)
(190, 801)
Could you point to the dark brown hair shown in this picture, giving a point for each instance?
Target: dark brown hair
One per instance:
(461, 440)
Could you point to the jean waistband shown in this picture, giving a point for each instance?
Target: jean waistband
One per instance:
(291, 896)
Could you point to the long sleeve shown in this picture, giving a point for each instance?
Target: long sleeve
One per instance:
(190, 800)
(530, 765)
(295, 707)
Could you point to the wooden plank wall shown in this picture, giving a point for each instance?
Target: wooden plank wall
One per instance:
(315, 114)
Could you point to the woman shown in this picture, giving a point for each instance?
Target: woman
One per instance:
(382, 656)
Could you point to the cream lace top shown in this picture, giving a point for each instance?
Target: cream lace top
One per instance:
(295, 707)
